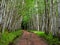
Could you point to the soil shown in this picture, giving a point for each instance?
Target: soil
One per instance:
(30, 39)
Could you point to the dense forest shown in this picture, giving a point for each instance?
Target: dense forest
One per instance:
(29, 15)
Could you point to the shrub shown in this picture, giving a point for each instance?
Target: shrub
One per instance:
(52, 40)
(9, 37)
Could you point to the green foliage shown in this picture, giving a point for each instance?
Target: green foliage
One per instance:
(39, 33)
(9, 37)
(52, 40)
(49, 38)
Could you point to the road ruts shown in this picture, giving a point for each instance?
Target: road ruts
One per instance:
(30, 39)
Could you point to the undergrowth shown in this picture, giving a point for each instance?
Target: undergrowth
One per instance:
(49, 38)
(6, 37)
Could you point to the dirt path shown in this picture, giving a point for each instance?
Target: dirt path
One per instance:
(30, 39)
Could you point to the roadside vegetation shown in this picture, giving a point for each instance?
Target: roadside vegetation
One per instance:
(7, 38)
(49, 38)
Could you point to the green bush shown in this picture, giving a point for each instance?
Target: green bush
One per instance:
(52, 40)
(9, 37)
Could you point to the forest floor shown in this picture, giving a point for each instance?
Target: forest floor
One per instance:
(30, 39)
